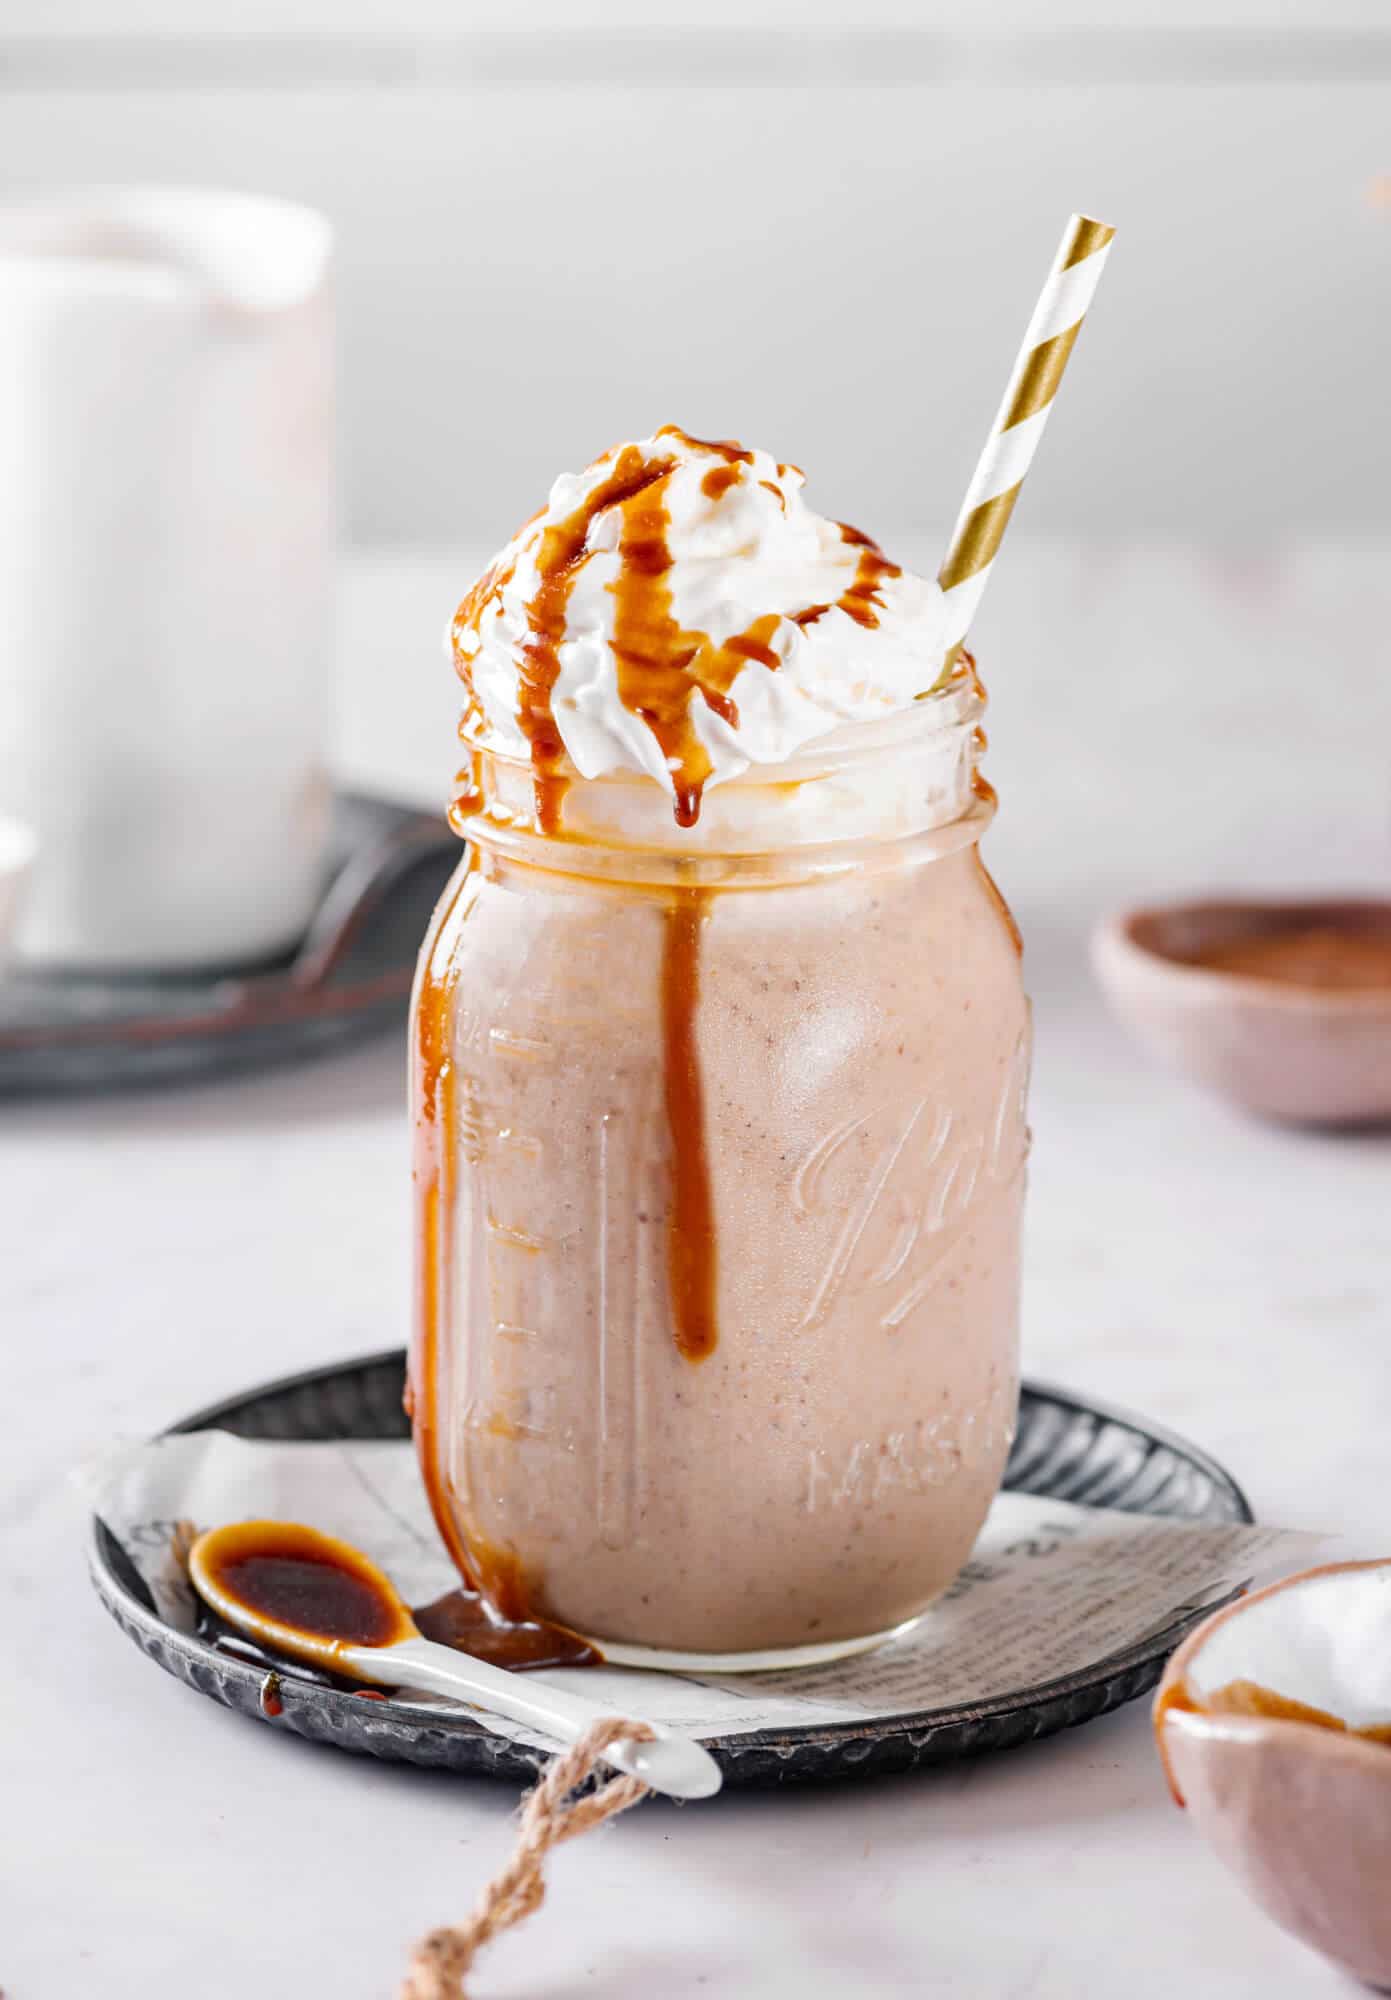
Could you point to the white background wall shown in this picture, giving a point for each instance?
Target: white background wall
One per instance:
(814, 224)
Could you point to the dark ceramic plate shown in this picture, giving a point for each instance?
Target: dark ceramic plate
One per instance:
(349, 976)
(1066, 1449)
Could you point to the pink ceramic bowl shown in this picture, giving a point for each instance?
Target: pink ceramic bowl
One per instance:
(1312, 1054)
(1300, 1814)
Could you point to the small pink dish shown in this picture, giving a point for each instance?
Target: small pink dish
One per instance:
(1298, 1809)
(1284, 1008)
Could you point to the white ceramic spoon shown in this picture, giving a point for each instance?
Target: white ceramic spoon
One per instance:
(318, 1599)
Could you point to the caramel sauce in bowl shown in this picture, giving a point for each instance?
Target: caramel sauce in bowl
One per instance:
(1273, 1721)
(1282, 1007)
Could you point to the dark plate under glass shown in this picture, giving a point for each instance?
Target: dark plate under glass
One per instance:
(1066, 1449)
(349, 976)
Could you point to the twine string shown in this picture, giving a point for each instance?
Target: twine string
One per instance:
(550, 1814)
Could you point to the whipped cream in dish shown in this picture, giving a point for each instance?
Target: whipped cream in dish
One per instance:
(678, 610)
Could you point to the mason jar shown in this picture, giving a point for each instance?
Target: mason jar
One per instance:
(720, 1152)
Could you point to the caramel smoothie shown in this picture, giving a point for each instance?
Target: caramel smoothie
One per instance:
(719, 1073)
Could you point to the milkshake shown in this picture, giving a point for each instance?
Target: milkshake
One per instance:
(720, 1054)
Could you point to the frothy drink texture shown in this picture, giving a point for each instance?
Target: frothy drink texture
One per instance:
(720, 1061)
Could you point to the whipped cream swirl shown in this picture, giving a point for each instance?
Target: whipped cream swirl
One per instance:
(678, 610)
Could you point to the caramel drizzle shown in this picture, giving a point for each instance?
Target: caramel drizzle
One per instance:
(964, 669)
(719, 479)
(861, 600)
(435, 1176)
(661, 668)
(993, 890)
(470, 797)
(726, 448)
(562, 556)
(495, 1572)
(691, 1249)
(660, 671)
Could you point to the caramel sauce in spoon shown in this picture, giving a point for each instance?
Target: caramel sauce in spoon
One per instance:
(293, 1588)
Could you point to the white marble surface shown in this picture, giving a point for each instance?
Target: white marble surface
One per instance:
(1160, 722)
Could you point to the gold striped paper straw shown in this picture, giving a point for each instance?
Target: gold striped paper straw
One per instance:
(1018, 424)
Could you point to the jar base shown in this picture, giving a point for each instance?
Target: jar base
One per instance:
(657, 1659)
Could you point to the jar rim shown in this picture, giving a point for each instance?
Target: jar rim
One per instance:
(902, 786)
(628, 865)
